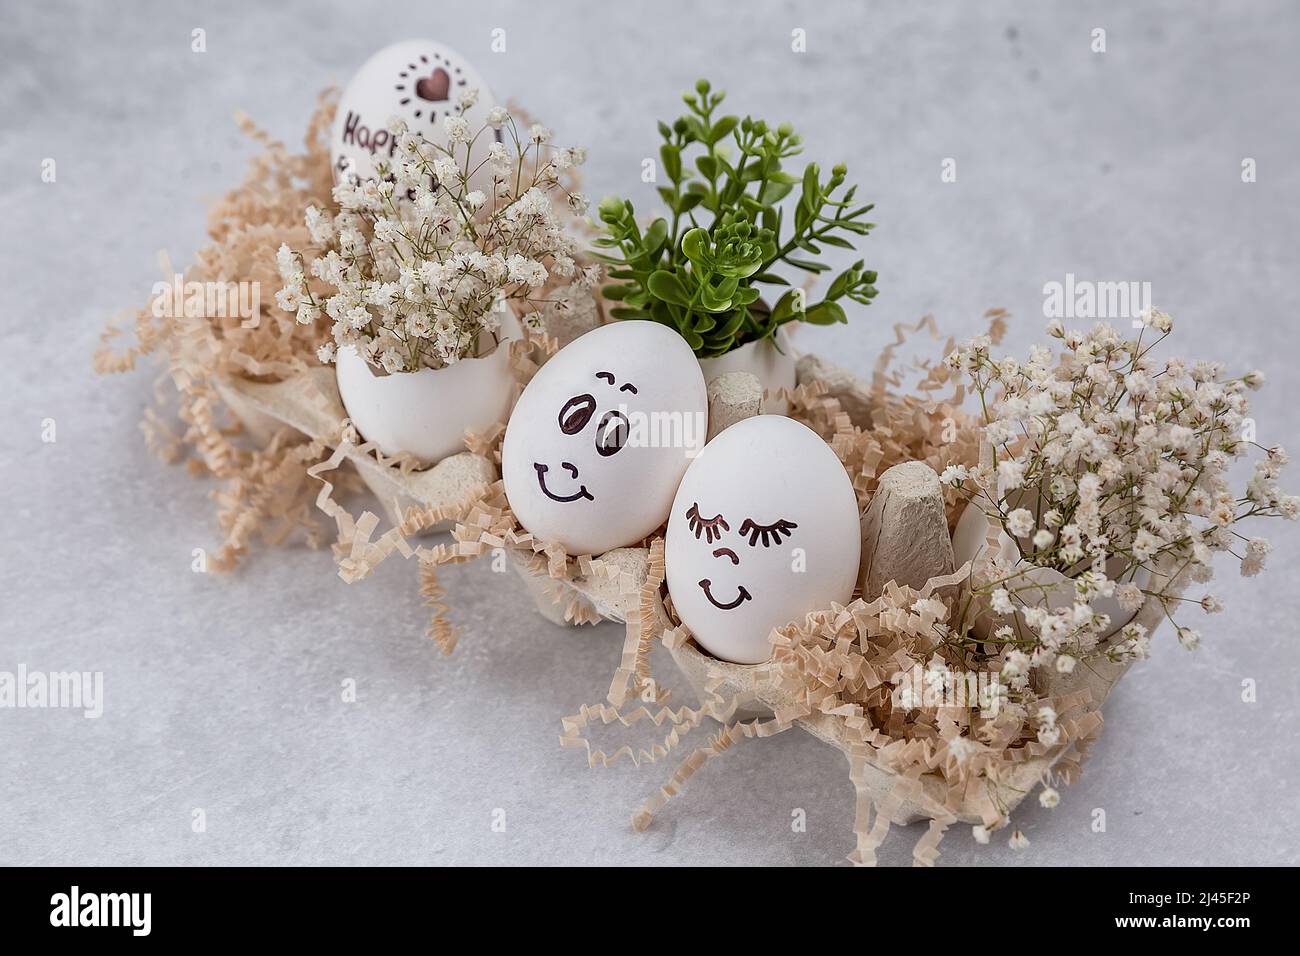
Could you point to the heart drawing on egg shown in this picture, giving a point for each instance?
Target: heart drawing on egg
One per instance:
(435, 86)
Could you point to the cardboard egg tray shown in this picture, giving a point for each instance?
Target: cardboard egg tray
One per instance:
(310, 404)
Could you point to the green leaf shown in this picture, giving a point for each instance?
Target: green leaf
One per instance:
(773, 192)
(722, 128)
(825, 313)
(655, 237)
(667, 286)
(689, 201)
(771, 278)
(695, 246)
(836, 241)
(807, 264)
(785, 309)
(672, 159)
(707, 165)
(802, 218)
(812, 193)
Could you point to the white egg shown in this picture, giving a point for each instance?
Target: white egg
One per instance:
(764, 529)
(417, 80)
(601, 437)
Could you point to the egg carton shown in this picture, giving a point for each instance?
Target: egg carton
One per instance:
(732, 398)
(309, 403)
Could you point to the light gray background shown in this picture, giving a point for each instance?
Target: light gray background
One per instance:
(224, 693)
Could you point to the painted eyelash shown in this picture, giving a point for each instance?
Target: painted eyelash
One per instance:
(770, 533)
(709, 527)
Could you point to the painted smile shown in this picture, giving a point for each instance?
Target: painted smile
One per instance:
(741, 596)
(582, 491)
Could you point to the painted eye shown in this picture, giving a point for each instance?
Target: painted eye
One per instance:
(711, 528)
(611, 433)
(575, 414)
(770, 534)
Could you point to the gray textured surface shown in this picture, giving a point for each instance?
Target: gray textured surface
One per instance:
(223, 693)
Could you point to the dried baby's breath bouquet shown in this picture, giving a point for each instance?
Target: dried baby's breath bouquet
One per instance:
(420, 263)
(1110, 468)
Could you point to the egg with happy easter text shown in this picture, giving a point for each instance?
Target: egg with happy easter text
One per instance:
(419, 81)
(763, 530)
(601, 437)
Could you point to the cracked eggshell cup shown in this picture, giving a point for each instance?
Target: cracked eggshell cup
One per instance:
(426, 413)
(601, 437)
(764, 530)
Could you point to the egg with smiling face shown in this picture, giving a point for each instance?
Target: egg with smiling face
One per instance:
(763, 530)
(601, 436)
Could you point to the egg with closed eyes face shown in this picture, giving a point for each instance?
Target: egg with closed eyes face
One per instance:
(601, 436)
(763, 530)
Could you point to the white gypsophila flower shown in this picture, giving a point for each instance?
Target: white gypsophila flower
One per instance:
(1015, 670)
(1133, 451)
(1018, 841)
(1129, 597)
(467, 98)
(1020, 522)
(954, 475)
(1189, 638)
(932, 606)
(980, 833)
(421, 267)
(326, 353)
(497, 117)
(457, 128)
(1049, 797)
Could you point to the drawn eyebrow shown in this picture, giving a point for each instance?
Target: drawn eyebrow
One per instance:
(609, 377)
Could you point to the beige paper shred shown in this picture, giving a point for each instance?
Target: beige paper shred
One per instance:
(440, 630)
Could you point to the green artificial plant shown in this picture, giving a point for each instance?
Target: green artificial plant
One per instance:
(700, 272)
